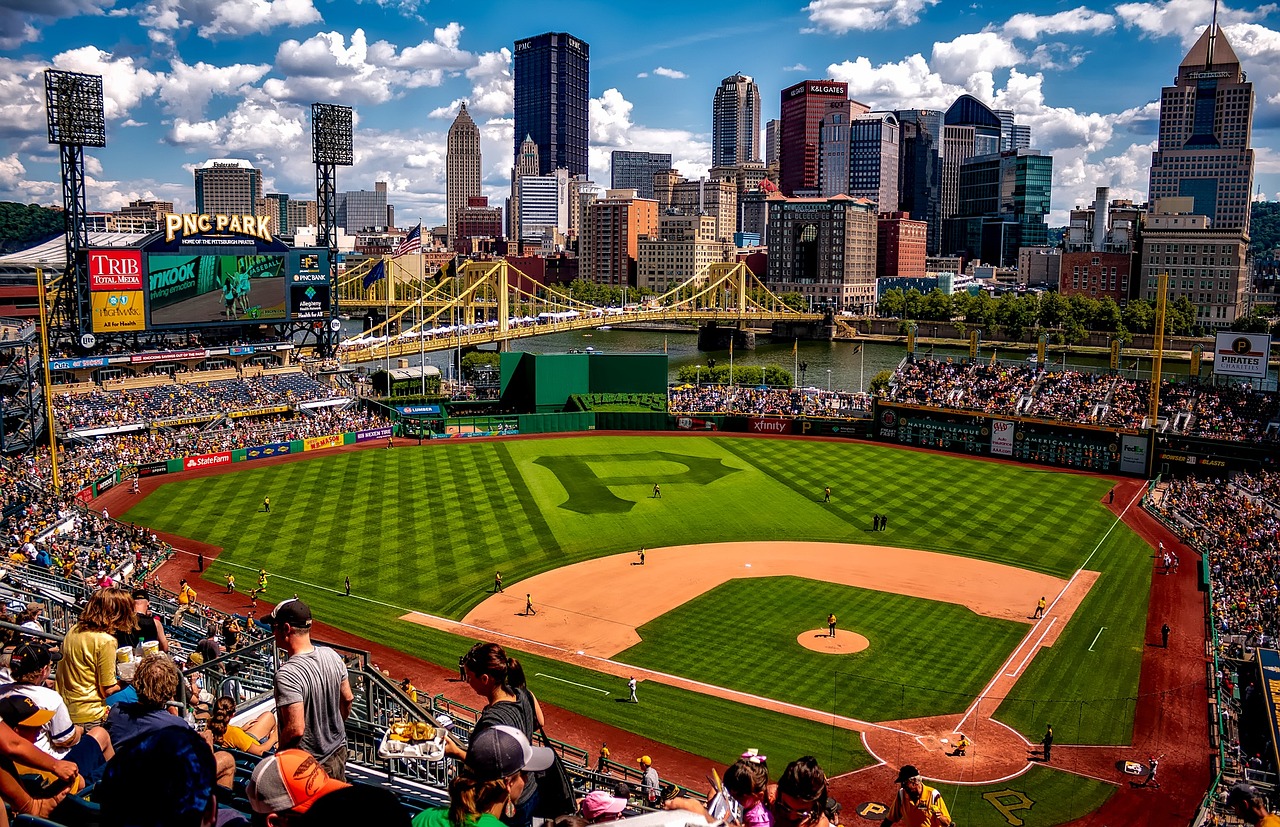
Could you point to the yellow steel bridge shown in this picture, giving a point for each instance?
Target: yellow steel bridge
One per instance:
(490, 301)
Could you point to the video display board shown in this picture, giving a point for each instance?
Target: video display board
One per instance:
(199, 289)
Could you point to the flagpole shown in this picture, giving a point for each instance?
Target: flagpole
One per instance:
(731, 362)
(422, 345)
(862, 360)
(386, 331)
(795, 357)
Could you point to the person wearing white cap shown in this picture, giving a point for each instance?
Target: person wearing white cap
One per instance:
(490, 780)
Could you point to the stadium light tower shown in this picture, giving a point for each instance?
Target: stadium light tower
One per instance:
(76, 120)
(331, 147)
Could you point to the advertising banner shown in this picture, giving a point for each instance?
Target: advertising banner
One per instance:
(175, 421)
(165, 356)
(308, 301)
(117, 310)
(1002, 437)
(689, 423)
(113, 270)
(418, 410)
(153, 469)
(1269, 666)
(206, 460)
(1241, 354)
(85, 495)
(275, 449)
(831, 427)
(186, 289)
(768, 426)
(106, 483)
(259, 412)
(373, 433)
(1133, 454)
(76, 364)
(316, 443)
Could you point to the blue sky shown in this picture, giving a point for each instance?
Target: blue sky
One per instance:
(188, 80)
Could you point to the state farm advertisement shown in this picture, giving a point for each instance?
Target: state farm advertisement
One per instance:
(206, 460)
(115, 270)
(769, 426)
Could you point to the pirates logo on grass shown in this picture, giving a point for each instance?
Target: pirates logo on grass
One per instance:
(588, 479)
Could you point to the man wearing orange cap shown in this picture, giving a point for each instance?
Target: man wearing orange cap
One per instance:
(285, 785)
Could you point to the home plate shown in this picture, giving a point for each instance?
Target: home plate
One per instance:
(944, 740)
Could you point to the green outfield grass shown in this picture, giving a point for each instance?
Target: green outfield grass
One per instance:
(922, 655)
(425, 528)
(1054, 798)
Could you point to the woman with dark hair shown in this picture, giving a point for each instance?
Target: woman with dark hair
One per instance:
(258, 738)
(800, 796)
(87, 673)
(508, 702)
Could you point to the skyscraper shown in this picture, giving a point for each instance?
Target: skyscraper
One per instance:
(1203, 147)
(970, 130)
(920, 170)
(461, 168)
(552, 99)
(804, 106)
(363, 209)
(1003, 200)
(772, 139)
(228, 186)
(635, 170)
(527, 163)
(735, 122)
(873, 159)
(1012, 135)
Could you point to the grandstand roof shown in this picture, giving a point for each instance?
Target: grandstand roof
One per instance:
(53, 253)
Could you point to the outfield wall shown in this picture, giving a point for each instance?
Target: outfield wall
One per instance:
(1022, 439)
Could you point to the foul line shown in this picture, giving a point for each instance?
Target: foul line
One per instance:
(1095, 638)
(571, 683)
(1035, 648)
(1000, 674)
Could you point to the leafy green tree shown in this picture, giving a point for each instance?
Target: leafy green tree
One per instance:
(25, 225)
(1108, 317)
(936, 306)
(777, 376)
(1180, 318)
(1015, 314)
(982, 311)
(1139, 316)
(1073, 332)
(475, 360)
(911, 304)
(892, 303)
(880, 382)
(1052, 310)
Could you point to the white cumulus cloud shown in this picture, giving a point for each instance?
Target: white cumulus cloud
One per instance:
(844, 16)
(971, 53)
(674, 74)
(1074, 21)
(188, 89)
(226, 18)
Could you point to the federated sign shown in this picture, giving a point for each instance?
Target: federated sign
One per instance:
(1241, 354)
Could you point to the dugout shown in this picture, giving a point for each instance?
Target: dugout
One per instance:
(543, 382)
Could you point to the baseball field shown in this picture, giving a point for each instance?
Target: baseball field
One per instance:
(725, 622)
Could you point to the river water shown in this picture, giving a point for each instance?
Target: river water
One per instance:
(848, 369)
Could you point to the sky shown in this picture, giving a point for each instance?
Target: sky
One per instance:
(189, 80)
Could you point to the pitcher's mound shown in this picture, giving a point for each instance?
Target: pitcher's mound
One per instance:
(844, 643)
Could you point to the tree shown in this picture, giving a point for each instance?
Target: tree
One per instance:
(880, 382)
(1180, 318)
(1015, 314)
(1108, 317)
(1139, 316)
(24, 225)
(1052, 310)
(475, 360)
(982, 311)
(936, 307)
(891, 303)
(1253, 323)
(776, 376)
(1073, 332)
(912, 302)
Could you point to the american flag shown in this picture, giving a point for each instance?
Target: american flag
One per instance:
(412, 243)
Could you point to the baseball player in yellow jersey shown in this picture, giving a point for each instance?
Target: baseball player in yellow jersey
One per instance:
(1039, 608)
(917, 804)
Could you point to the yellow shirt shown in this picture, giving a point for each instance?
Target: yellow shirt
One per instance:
(88, 662)
(923, 813)
(186, 596)
(237, 738)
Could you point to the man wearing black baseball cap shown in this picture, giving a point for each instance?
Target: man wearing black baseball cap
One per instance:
(491, 779)
(57, 735)
(1247, 803)
(313, 693)
(916, 803)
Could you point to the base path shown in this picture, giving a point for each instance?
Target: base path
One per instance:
(594, 607)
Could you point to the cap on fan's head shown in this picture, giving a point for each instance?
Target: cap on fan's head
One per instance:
(907, 773)
(293, 612)
(502, 751)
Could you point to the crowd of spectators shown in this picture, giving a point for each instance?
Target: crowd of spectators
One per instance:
(103, 407)
(753, 401)
(1233, 412)
(1240, 533)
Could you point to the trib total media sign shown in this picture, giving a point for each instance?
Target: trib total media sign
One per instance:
(1241, 354)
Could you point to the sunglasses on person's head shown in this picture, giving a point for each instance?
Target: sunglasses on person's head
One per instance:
(809, 809)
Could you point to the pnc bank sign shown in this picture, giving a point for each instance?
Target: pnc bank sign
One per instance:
(189, 224)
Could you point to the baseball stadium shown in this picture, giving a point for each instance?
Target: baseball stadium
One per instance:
(1042, 587)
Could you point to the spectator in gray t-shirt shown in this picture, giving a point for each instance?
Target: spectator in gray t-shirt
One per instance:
(313, 694)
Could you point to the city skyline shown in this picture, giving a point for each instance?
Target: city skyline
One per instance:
(185, 84)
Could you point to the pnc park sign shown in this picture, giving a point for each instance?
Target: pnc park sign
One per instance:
(190, 224)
